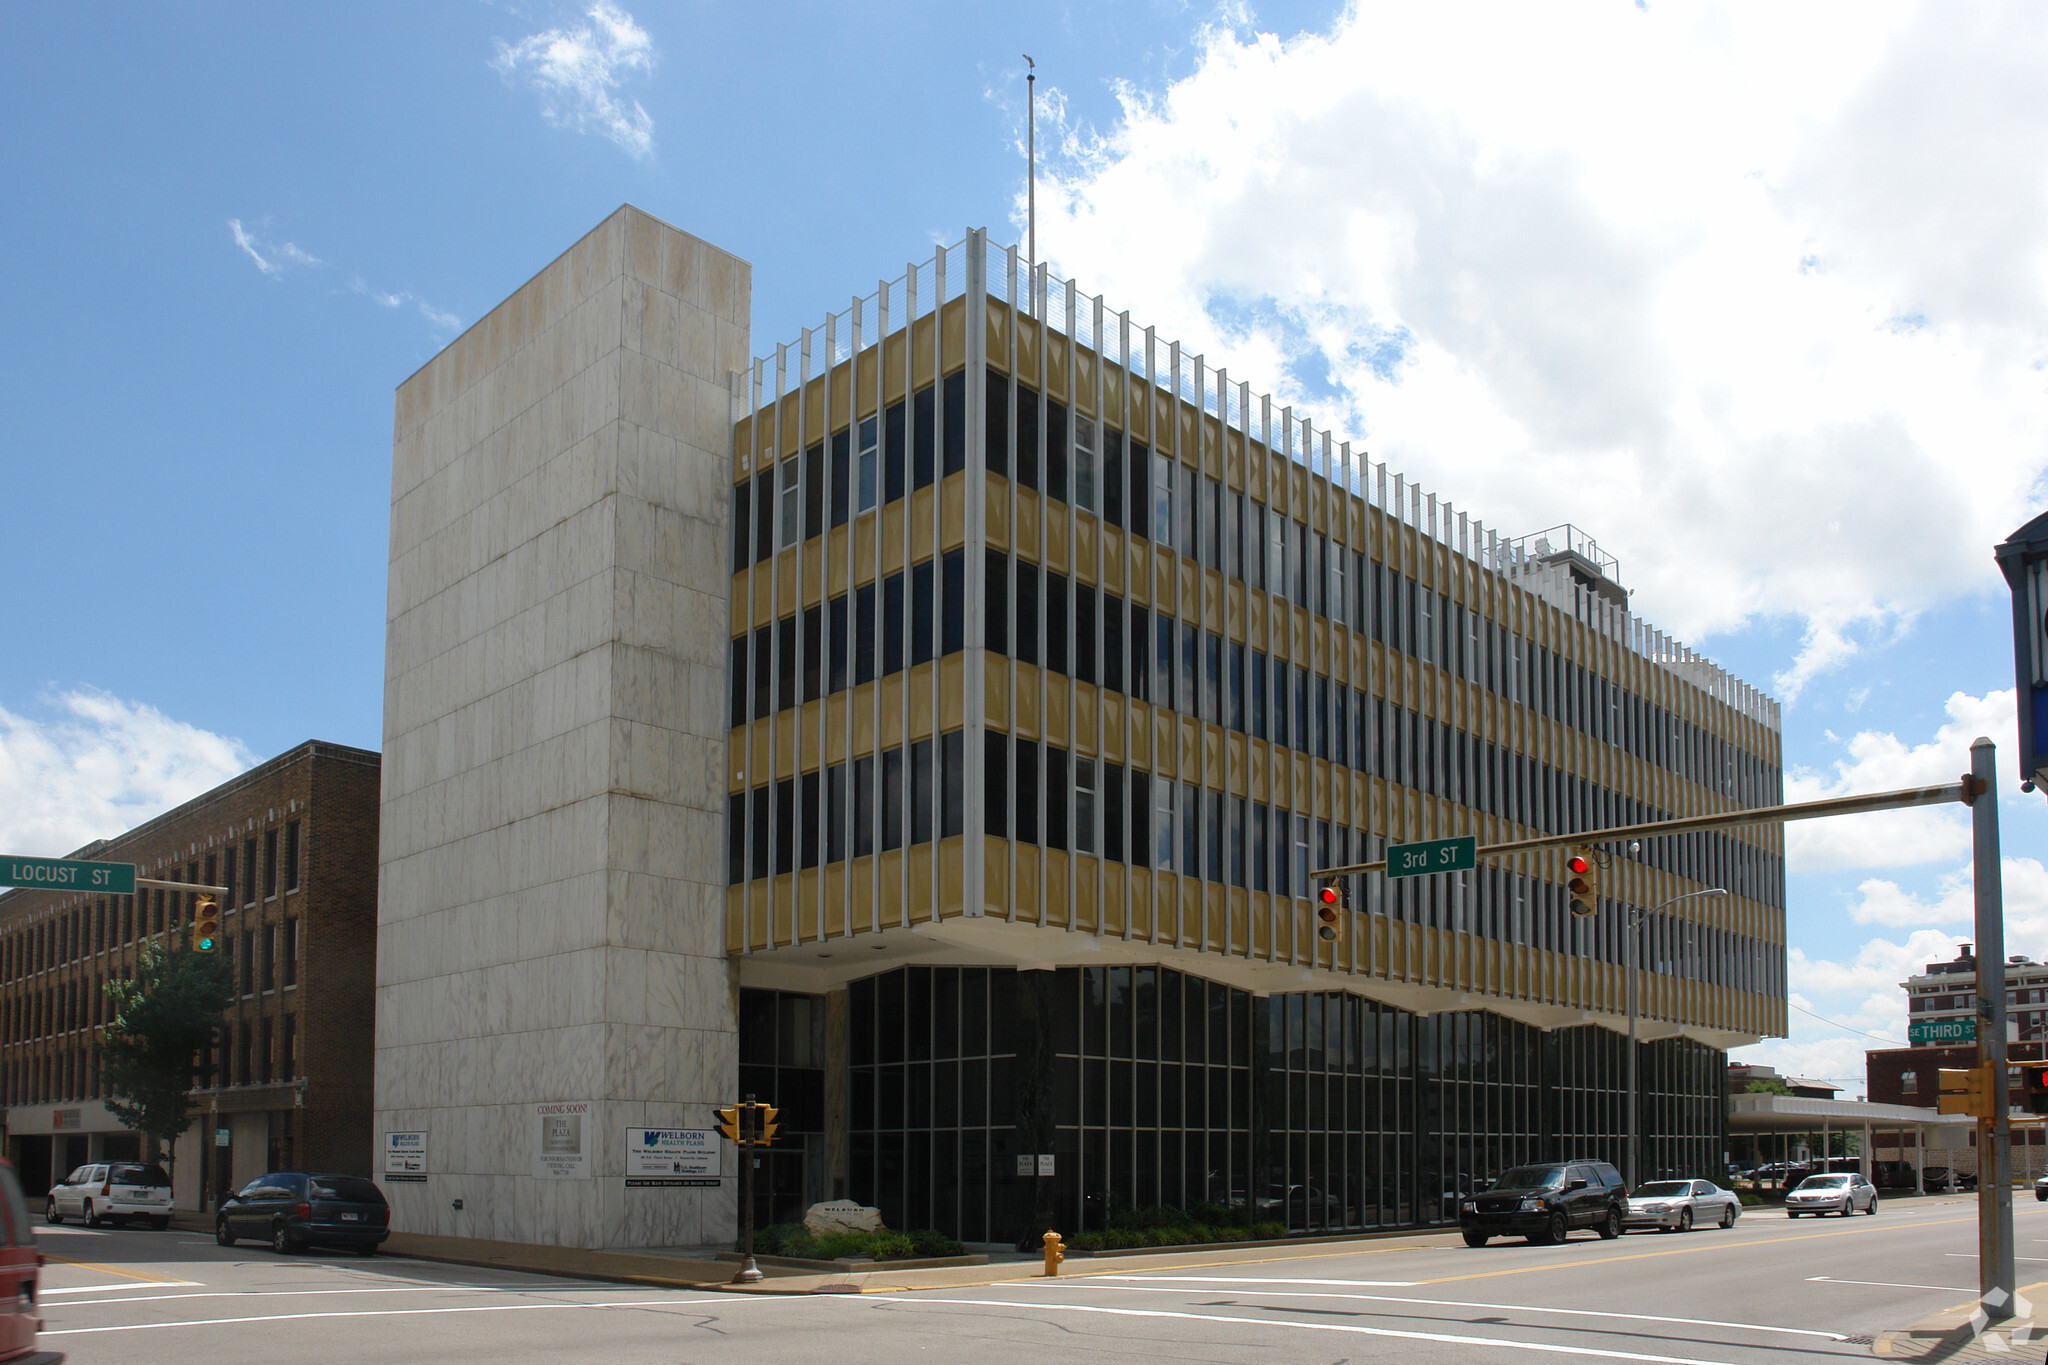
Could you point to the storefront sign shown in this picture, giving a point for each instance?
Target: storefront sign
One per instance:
(66, 1120)
(561, 1140)
(671, 1156)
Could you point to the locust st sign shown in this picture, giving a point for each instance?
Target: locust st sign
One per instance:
(64, 874)
(1433, 855)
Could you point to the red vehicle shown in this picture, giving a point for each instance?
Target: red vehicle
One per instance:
(21, 1276)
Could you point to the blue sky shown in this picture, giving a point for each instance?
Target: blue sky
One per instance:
(1755, 297)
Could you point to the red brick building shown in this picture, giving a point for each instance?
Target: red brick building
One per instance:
(1906, 1075)
(289, 1083)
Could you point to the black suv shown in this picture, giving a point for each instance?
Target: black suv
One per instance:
(1545, 1202)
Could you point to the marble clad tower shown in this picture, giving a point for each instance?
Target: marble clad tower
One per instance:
(551, 966)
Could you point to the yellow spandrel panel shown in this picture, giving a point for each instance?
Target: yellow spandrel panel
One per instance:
(1140, 732)
(1234, 745)
(1213, 590)
(1028, 510)
(1087, 706)
(1234, 605)
(1258, 770)
(1254, 617)
(1087, 896)
(1025, 721)
(1138, 573)
(996, 512)
(1058, 731)
(1166, 578)
(1085, 561)
(921, 531)
(1140, 903)
(995, 863)
(835, 901)
(921, 700)
(952, 691)
(1113, 901)
(1259, 925)
(1027, 895)
(1058, 351)
(918, 868)
(1188, 575)
(1212, 754)
(1058, 905)
(1113, 560)
(1112, 732)
(891, 903)
(894, 369)
(807, 906)
(1165, 746)
(953, 337)
(952, 878)
(758, 763)
(1057, 556)
(953, 511)
(921, 351)
(892, 710)
(995, 693)
(1028, 356)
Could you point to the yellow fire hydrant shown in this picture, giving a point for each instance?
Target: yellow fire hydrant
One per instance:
(1055, 1252)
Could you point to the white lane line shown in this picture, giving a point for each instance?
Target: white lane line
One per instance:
(311, 1293)
(1238, 1279)
(429, 1312)
(107, 1288)
(1971, 1256)
(1458, 1303)
(1887, 1284)
(1443, 1338)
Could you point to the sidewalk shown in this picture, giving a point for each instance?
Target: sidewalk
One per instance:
(690, 1269)
(1959, 1334)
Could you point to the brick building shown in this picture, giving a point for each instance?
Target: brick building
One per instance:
(296, 840)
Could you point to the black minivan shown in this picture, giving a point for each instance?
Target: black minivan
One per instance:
(1545, 1202)
(292, 1209)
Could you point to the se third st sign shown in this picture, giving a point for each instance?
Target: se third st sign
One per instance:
(65, 874)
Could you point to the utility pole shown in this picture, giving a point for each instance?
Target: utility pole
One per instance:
(1995, 1272)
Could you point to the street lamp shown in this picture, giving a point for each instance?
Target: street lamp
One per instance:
(1635, 923)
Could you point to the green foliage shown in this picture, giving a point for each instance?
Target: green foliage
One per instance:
(794, 1239)
(1771, 1086)
(1125, 1237)
(162, 1017)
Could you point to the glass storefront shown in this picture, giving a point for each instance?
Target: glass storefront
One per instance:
(990, 1103)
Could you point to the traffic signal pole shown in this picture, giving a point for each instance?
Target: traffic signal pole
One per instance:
(1996, 1277)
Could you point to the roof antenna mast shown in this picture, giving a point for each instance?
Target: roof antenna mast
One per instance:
(1031, 183)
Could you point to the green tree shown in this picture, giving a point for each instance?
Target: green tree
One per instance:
(162, 1017)
(1767, 1086)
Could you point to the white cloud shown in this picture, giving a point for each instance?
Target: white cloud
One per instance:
(1754, 295)
(1878, 760)
(577, 69)
(443, 321)
(272, 258)
(96, 765)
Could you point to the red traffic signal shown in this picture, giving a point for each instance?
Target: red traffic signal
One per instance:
(2034, 1082)
(1329, 902)
(1582, 879)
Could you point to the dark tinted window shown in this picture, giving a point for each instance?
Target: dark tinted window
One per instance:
(140, 1175)
(350, 1187)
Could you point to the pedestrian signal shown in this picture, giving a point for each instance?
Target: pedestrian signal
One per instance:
(206, 926)
(1582, 879)
(1970, 1091)
(2034, 1085)
(729, 1121)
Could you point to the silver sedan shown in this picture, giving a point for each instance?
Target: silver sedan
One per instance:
(1680, 1205)
(1825, 1194)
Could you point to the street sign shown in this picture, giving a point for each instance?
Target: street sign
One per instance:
(64, 874)
(1942, 1031)
(1432, 855)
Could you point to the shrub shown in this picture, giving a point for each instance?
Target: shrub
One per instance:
(889, 1246)
(929, 1242)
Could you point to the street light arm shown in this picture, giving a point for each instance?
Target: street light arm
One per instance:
(1638, 915)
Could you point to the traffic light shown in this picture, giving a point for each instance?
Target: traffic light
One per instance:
(1972, 1091)
(1329, 909)
(748, 1124)
(206, 926)
(1582, 879)
(729, 1121)
(765, 1124)
(2034, 1085)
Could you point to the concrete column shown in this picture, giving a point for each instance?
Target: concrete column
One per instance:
(551, 890)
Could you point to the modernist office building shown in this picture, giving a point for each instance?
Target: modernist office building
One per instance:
(1048, 662)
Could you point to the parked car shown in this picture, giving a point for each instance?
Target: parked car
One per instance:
(2041, 1188)
(1680, 1205)
(21, 1274)
(112, 1192)
(294, 1209)
(1544, 1203)
(1825, 1194)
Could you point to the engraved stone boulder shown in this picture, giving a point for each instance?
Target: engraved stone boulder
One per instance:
(841, 1215)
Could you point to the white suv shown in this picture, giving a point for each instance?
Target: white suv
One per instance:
(119, 1192)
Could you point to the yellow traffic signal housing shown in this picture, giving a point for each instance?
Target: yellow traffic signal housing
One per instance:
(206, 926)
(1972, 1091)
(2034, 1085)
(1582, 879)
(1329, 910)
(729, 1121)
(765, 1124)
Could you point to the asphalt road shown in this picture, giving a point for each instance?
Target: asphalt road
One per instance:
(1769, 1289)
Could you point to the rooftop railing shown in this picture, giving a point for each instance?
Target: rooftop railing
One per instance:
(924, 288)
